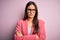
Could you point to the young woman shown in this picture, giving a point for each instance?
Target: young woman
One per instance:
(30, 28)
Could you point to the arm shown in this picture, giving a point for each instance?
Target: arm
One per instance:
(42, 33)
(19, 36)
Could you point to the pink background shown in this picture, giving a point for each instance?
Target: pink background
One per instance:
(13, 10)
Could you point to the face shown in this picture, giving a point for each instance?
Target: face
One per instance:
(31, 11)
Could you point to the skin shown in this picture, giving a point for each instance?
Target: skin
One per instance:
(31, 15)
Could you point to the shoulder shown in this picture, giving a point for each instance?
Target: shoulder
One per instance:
(20, 21)
(41, 21)
(41, 25)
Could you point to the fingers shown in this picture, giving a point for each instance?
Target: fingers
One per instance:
(19, 34)
(37, 37)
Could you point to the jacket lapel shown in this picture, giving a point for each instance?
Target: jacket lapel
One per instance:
(26, 28)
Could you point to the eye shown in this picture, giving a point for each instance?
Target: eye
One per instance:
(31, 9)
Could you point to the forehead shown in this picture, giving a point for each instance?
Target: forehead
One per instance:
(31, 7)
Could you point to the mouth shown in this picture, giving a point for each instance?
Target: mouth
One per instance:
(31, 14)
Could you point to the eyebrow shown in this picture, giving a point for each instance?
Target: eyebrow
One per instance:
(31, 9)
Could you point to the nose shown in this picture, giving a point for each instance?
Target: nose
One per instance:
(31, 12)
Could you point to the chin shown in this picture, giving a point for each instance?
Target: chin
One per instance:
(31, 16)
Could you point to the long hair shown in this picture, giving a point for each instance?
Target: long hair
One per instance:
(35, 19)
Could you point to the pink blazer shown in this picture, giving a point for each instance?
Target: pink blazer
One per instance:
(23, 27)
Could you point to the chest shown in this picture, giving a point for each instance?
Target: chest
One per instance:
(25, 28)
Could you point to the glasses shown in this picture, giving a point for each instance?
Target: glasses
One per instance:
(29, 10)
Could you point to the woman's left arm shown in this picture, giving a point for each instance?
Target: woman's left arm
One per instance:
(41, 34)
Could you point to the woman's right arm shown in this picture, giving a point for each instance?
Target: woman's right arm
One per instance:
(18, 35)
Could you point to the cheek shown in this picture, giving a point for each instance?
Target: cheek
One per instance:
(33, 14)
(28, 13)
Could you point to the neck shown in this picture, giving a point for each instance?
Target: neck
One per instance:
(30, 19)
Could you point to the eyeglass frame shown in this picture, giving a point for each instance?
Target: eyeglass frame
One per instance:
(33, 10)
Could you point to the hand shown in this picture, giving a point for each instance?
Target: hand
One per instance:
(19, 34)
(37, 37)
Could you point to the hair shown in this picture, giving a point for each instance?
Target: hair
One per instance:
(35, 19)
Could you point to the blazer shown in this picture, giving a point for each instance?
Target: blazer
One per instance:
(22, 26)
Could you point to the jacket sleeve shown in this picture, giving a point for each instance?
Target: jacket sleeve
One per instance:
(42, 33)
(25, 37)
(18, 29)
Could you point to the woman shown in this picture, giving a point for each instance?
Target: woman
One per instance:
(30, 28)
